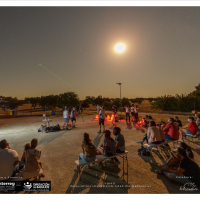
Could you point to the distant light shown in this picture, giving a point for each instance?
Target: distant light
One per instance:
(120, 47)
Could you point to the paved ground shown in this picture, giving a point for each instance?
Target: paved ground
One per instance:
(61, 149)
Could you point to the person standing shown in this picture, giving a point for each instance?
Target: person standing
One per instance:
(44, 116)
(101, 119)
(73, 117)
(98, 108)
(132, 112)
(66, 115)
(136, 113)
(77, 108)
(127, 113)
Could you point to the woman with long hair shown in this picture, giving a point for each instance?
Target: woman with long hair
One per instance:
(108, 146)
(89, 150)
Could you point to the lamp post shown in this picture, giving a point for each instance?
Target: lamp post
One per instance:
(120, 96)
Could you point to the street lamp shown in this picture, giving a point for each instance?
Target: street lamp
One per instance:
(120, 96)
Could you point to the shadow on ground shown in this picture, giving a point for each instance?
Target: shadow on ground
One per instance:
(96, 180)
(52, 136)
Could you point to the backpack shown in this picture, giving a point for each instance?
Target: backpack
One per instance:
(143, 152)
(32, 162)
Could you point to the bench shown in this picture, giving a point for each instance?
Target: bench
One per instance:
(152, 146)
(189, 137)
(100, 158)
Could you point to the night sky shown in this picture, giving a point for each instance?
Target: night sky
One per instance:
(162, 53)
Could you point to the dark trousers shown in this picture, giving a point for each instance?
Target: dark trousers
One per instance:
(127, 116)
(136, 117)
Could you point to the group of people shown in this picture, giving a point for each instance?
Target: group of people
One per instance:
(109, 147)
(134, 113)
(10, 164)
(181, 166)
(158, 133)
(70, 114)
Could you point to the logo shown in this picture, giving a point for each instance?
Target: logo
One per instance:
(189, 187)
(27, 186)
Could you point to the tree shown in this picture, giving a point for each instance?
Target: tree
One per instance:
(85, 104)
(106, 104)
(125, 102)
(12, 102)
(68, 99)
(34, 101)
(117, 102)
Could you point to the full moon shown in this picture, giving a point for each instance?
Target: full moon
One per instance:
(120, 47)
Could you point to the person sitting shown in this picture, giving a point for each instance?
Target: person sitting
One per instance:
(108, 146)
(32, 161)
(26, 147)
(190, 129)
(178, 122)
(152, 136)
(172, 130)
(89, 150)
(174, 159)
(8, 161)
(187, 172)
(198, 123)
(163, 125)
(119, 141)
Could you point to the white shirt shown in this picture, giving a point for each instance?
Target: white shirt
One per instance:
(102, 114)
(7, 159)
(135, 110)
(132, 109)
(127, 109)
(65, 114)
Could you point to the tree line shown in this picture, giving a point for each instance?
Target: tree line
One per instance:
(181, 103)
(68, 99)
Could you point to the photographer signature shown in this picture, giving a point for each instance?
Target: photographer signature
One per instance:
(188, 187)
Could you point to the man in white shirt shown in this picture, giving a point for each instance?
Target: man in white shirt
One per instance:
(8, 160)
(66, 115)
(101, 119)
